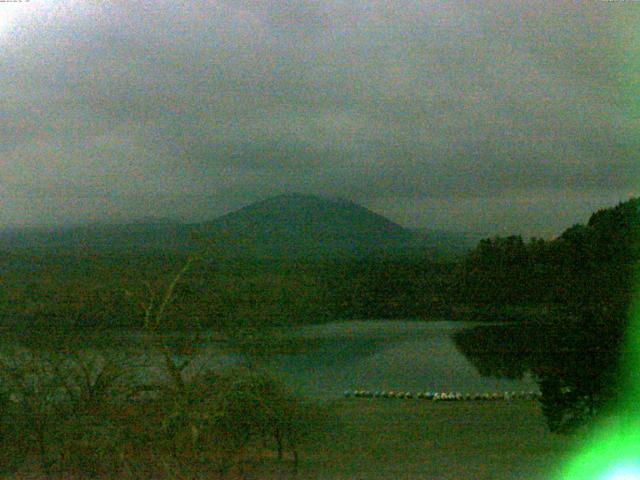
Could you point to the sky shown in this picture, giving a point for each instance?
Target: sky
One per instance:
(495, 117)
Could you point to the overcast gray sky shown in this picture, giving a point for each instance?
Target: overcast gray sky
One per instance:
(493, 116)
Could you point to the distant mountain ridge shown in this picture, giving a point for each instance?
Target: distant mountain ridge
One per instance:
(291, 226)
(295, 225)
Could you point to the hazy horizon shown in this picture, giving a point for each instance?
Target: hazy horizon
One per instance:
(176, 220)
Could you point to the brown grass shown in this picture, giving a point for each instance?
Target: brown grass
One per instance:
(413, 439)
(393, 439)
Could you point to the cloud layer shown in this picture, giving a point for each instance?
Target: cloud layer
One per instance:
(494, 116)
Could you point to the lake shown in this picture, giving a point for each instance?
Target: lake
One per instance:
(385, 355)
(327, 359)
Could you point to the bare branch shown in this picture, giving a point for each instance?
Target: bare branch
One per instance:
(169, 292)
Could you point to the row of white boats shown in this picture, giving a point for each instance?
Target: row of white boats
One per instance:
(443, 396)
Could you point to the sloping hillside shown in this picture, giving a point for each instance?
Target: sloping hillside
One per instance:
(295, 225)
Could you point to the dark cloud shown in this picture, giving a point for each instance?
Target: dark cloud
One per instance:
(496, 116)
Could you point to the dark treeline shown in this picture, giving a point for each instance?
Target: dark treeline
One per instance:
(586, 278)
(94, 290)
(588, 267)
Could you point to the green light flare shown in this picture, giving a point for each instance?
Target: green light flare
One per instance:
(630, 370)
(612, 449)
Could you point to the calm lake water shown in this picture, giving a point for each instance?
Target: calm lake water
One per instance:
(385, 355)
(331, 358)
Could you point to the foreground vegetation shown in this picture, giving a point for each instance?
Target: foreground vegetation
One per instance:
(80, 411)
(352, 438)
(93, 415)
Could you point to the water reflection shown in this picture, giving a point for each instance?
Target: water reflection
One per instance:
(502, 351)
(388, 355)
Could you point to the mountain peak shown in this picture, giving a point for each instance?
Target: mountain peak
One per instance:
(301, 225)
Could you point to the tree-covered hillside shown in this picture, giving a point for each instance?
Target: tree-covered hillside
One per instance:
(588, 265)
(587, 277)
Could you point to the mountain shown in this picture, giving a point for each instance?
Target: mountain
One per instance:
(290, 226)
(297, 226)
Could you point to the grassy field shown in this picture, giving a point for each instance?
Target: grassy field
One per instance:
(412, 439)
(401, 439)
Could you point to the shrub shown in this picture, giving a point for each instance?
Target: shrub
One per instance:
(40, 400)
(227, 418)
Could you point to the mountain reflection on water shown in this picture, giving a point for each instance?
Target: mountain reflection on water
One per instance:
(394, 355)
